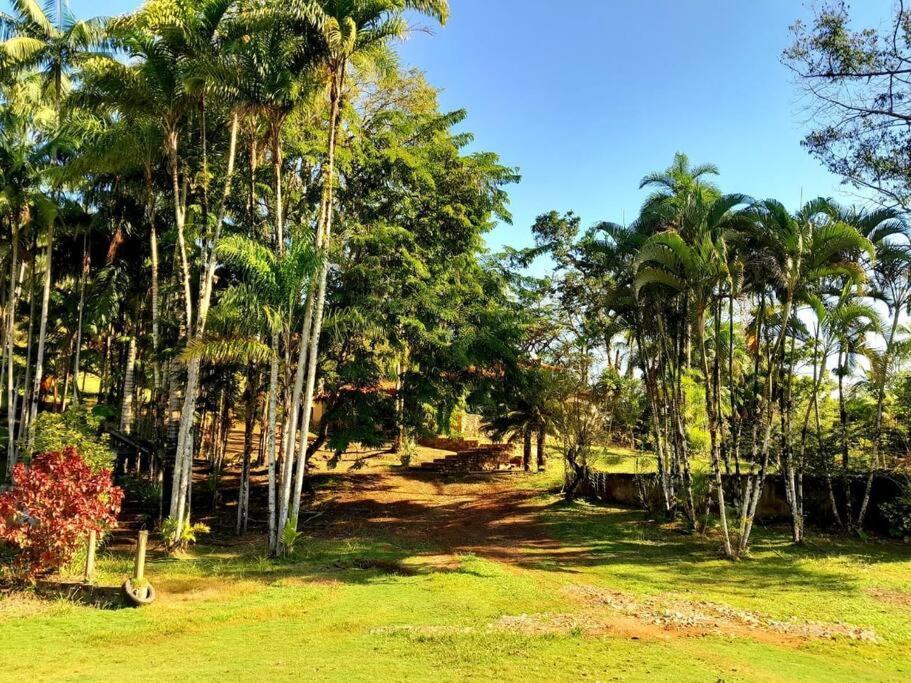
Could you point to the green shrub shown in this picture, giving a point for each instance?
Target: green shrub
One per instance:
(408, 450)
(188, 533)
(289, 536)
(105, 412)
(898, 513)
(141, 490)
(76, 427)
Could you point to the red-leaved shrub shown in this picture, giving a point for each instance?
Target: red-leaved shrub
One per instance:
(54, 502)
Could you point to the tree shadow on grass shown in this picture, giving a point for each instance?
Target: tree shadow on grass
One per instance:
(542, 532)
(664, 557)
(91, 595)
(373, 527)
(353, 562)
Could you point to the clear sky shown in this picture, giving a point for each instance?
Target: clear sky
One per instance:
(586, 96)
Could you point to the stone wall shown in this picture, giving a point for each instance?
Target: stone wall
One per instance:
(630, 489)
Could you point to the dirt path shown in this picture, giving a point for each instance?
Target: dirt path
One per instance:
(436, 519)
(493, 516)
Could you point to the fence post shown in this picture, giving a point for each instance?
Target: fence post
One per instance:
(90, 557)
(140, 566)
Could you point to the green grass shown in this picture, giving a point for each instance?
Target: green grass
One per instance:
(89, 384)
(378, 609)
(620, 459)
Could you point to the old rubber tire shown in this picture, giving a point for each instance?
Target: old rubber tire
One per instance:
(135, 597)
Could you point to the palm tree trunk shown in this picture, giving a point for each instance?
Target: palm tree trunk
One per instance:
(175, 401)
(734, 420)
(310, 388)
(683, 362)
(399, 438)
(126, 406)
(878, 429)
(179, 221)
(541, 453)
(526, 449)
(243, 494)
(270, 442)
(817, 384)
(710, 406)
(290, 434)
(649, 375)
(105, 364)
(204, 184)
(765, 419)
(843, 430)
(184, 455)
(60, 405)
(285, 511)
(335, 103)
(42, 334)
(10, 360)
(251, 198)
(29, 343)
(86, 265)
(755, 490)
(277, 171)
(153, 246)
(790, 466)
(671, 378)
(183, 474)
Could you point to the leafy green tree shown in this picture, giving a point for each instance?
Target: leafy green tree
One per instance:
(855, 80)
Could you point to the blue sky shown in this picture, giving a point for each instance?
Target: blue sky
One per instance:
(586, 96)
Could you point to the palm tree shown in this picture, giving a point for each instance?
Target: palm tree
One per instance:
(150, 88)
(525, 411)
(676, 186)
(33, 43)
(798, 252)
(178, 46)
(126, 142)
(172, 46)
(844, 316)
(890, 283)
(265, 302)
(677, 192)
(849, 323)
(271, 71)
(25, 204)
(611, 249)
(696, 267)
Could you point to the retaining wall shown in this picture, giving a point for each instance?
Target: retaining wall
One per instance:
(629, 489)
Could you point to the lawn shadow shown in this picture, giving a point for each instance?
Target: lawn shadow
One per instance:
(669, 558)
(91, 595)
(380, 526)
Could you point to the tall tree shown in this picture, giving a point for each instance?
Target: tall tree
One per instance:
(857, 83)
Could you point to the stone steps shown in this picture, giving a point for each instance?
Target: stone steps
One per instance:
(487, 458)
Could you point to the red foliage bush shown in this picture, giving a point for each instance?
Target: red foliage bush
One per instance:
(54, 502)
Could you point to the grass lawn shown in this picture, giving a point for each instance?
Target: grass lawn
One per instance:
(615, 458)
(621, 459)
(392, 588)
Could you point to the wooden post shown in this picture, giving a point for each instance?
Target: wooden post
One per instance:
(140, 566)
(90, 557)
